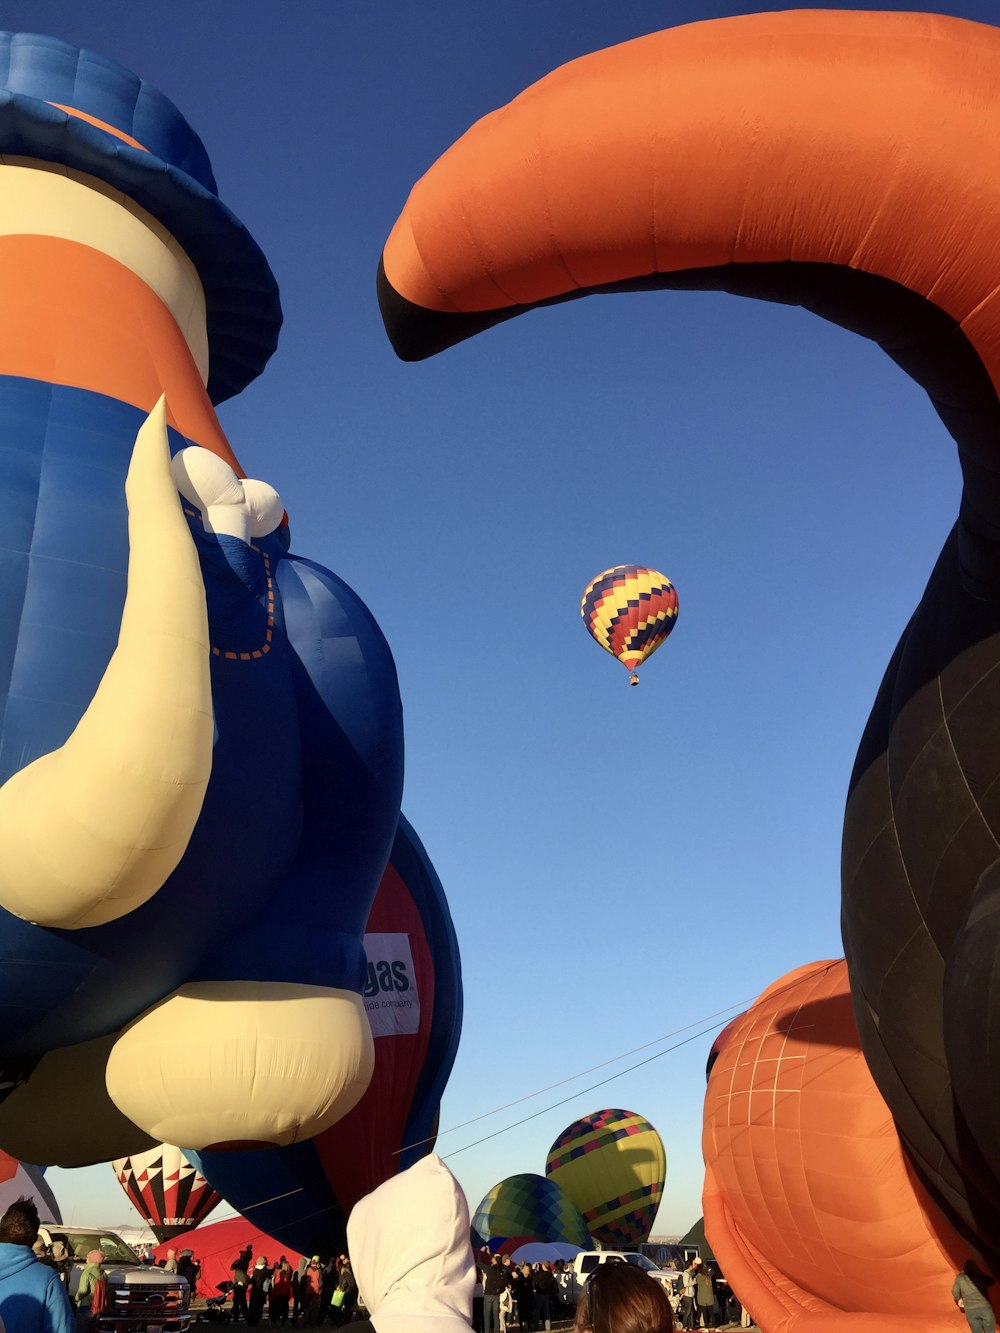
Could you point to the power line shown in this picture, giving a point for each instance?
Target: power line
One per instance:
(703, 1031)
(600, 1084)
(529, 1096)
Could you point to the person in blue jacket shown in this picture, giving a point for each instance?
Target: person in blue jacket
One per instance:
(32, 1296)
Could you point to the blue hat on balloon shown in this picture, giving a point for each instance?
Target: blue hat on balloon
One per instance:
(78, 108)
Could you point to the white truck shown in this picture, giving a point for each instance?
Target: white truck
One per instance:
(141, 1299)
(574, 1276)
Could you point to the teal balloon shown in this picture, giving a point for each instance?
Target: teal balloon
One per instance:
(531, 1206)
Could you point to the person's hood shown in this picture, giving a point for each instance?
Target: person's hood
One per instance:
(411, 1253)
(15, 1259)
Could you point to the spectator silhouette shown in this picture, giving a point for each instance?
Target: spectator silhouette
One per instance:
(32, 1297)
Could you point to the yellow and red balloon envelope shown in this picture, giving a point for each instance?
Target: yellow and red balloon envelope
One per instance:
(629, 611)
(613, 1166)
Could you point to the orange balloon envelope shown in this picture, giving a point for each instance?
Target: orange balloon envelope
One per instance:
(810, 1206)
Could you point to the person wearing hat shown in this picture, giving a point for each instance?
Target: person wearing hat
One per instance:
(312, 1290)
(410, 1250)
(92, 1293)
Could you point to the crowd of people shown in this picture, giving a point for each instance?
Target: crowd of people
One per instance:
(184, 1264)
(311, 1294)
(529, 1296)
(413, 1271)
(704, 1299)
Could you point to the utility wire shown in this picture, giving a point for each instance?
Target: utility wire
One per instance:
(610, 1079)
(560, 1083)
(712, 1026)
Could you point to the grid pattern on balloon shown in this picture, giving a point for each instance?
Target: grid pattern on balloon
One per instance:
(629, 611)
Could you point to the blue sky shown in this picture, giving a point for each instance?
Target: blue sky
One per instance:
(619, 863)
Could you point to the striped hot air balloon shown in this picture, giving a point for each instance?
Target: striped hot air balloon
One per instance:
(613, 1166)
(629, 610)
(166, 1189)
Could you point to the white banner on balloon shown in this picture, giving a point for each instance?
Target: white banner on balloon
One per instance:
(390, 994)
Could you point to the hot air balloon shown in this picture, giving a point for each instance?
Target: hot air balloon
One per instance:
(198, 725)
(629, 611)
(804, 1167)
(528, 1207)
(168, 1192)
(613, 1166)
(18, 1181)
(413, 995)
(844, 161)
(215, 1245)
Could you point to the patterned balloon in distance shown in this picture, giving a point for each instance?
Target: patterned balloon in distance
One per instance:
(533, 1208)
(168, 1192)
(612, 1165)
(629, 611)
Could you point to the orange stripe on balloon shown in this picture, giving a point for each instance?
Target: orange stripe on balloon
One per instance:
(71, 315)
(101, 125)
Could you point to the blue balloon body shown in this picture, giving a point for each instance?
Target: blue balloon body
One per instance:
(302, 803)
(279, 873)
(298, 1193)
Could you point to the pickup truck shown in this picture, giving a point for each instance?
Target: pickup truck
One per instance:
(141, 1299)
(574, 1276)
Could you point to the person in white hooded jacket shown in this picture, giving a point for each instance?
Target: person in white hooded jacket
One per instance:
(411, 1253)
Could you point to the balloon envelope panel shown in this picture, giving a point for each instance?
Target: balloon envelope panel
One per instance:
(413, 997)
(629, 611)
(167, 1191)
(613, 1166)
(808, 1192)
(216, 1245)
(530, 1207)
(18, 1181)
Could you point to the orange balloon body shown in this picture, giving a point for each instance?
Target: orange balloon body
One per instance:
(72, 315)
(585, 179)
(810, 1207)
